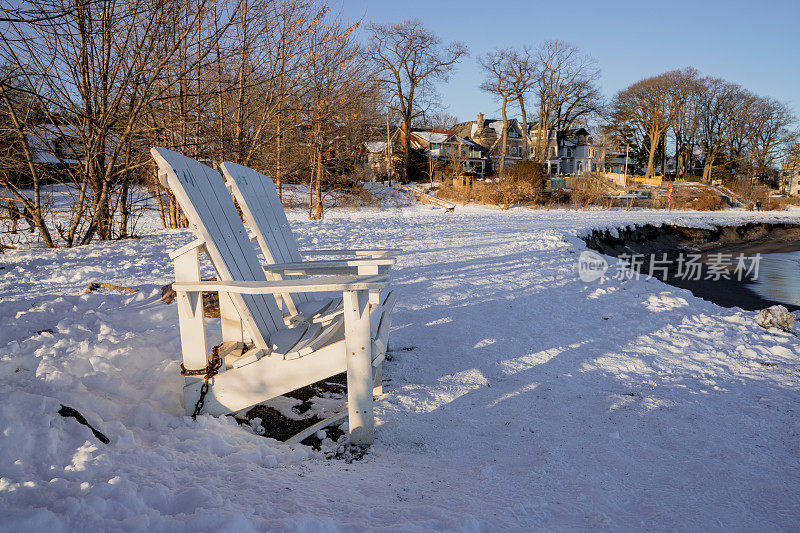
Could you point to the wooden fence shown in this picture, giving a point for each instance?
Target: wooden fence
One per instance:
(654, 181)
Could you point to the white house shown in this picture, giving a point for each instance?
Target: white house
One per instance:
(569, 152)
(375, 156)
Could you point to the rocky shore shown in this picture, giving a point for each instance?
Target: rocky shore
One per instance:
(649, 241)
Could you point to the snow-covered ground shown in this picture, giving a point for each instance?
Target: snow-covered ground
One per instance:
(520, 396)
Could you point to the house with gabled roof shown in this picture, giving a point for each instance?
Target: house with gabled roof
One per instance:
(572, 151)
(488, 134)
(447, 148)
(375, 156)
(577, 152)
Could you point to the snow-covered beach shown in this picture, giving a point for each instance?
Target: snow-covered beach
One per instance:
(520, 397)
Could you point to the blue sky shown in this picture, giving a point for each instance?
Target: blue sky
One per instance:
(753, 43)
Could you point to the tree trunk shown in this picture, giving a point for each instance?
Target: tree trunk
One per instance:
(708, 165)
(406, 147)
(173, 211)
(311, 181)
(504, 136)
(525, 149)
(100, 216)
(318, 202)
(278, 183)
(124, 210)
(654, 136)
(161, 209)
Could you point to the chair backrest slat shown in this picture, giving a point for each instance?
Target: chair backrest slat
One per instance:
(262, 208)
(201, 192)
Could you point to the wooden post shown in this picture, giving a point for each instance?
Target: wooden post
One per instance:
(190, 312)
(229, 318)
(191, 319)
(359, 367)
(374, 300)
(377, 380)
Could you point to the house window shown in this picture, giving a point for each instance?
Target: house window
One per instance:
(435, 146)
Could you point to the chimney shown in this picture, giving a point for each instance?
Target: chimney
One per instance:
(480, 120)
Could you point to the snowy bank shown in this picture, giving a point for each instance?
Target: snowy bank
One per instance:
(520, 396)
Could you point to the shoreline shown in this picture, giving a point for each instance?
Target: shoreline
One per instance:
(676, 240)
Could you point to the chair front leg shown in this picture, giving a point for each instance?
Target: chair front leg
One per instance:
(358, 343)
(190, 312)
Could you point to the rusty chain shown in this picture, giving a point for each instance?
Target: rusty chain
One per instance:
(208, 372)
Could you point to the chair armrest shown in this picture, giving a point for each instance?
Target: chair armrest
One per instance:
(327, 265)
(197, 243)
(320, 284)
(375, 253)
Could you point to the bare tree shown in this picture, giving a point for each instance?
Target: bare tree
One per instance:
(770, 131)
(408, 59)
(523, 67)
(738, 130)
(566, 88)
(19, 113)
(720, 102)
(99, 62)
(336, 86)
(685, 101)
(438, 120)
(644, 109)
(500, 77)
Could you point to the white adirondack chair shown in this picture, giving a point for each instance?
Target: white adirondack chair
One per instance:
(264, 215)
(283, 358)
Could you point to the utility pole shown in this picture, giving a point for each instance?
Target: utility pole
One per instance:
(388, 149)
(626, 164)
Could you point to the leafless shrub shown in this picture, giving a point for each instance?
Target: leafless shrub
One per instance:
(702, 200)
(588, 190)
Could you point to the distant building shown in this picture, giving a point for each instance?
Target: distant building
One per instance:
(487, 133)
(552, 163)
(375, 157)
(577, 152)
(62, 145)
(447, 148)
(789, 178)
(686, 163)
(571, 152)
